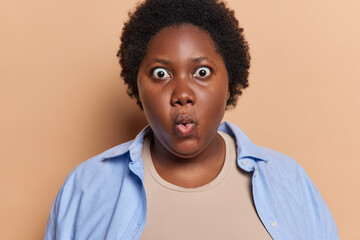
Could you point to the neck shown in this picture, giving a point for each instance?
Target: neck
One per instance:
(193, 171)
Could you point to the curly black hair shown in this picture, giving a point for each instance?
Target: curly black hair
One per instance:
(213, 16)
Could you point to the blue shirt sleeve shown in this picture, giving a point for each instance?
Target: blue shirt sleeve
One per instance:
(317, 214)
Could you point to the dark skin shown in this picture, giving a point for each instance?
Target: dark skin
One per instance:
(183, 87)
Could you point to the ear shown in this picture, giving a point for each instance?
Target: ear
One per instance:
(228, 95)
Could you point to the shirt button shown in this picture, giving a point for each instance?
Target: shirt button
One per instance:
(255, 173)
(273, 224)
(244, 163)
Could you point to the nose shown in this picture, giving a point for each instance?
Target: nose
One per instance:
(183, 93)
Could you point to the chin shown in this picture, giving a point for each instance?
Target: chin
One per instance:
(186, 150)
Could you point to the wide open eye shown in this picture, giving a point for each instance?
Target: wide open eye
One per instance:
(160, 73)
(202, 72)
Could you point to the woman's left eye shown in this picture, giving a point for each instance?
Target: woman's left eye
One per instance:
(202, 72)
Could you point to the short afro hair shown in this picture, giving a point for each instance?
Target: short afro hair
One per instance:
(213, 16)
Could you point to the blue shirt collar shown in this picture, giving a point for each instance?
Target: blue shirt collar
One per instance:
(245, 148)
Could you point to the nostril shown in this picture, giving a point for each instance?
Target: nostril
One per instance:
(182, 102)
(182, 97)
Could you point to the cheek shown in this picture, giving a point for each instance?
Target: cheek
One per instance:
(212, 105)
(154, 104)
(218, 96)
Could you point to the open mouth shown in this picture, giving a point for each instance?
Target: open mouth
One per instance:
(184, 125)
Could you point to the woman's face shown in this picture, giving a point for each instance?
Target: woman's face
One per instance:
(183, 88)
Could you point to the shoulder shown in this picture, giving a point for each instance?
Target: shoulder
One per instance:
(94, 182)
(281, 165)
(100, 166)
(284, 171)
(289, 188)
(279, 159)
(283, 190)
(98, 172)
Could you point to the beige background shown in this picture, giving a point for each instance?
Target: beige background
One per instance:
(62, 100)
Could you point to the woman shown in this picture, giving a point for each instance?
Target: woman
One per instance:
(186, 176)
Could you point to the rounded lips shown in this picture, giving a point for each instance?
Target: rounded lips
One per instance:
(184, 119)
(184, 124)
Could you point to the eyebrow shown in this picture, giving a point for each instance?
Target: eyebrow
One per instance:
(167, 62)
(157, 60)
(200, 59)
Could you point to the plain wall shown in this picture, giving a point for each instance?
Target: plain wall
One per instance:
(62, 100)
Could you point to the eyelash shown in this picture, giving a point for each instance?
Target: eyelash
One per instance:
(155, 68)
(202, 66)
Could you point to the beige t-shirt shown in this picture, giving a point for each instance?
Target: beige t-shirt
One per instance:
(221, 209)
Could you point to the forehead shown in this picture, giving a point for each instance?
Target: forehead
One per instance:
(181, 41)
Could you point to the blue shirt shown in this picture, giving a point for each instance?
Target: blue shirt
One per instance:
(104, 197)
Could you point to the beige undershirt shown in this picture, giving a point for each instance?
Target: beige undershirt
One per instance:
(221, 209)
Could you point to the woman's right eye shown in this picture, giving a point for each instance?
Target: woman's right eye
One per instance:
(160, 73)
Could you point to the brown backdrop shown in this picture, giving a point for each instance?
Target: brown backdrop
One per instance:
(62, 100)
